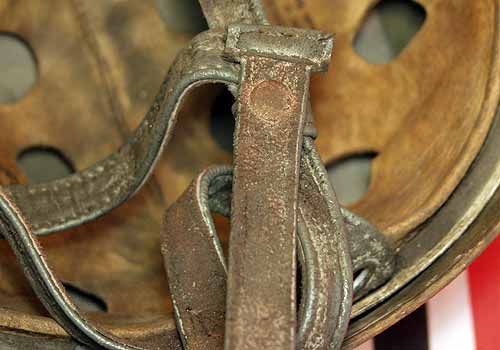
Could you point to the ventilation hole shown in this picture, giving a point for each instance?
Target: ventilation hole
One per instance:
(351, 177)
(18, 68)
(42, 164)
(222, 120)
(84, 300)
(388, 29)
(183, 16)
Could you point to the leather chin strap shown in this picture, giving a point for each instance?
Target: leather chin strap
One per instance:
(323, 250)
(87, 195)
(38, 209)
(199, 292)
(192, 246)
(71, 201)
(197, 270)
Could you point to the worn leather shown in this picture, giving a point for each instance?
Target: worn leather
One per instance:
(32, 209)
(193, 247)
(67, 203)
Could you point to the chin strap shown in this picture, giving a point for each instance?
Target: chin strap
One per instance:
(279, 199)
(197, 269)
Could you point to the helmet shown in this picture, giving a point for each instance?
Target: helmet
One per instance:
(431, 208)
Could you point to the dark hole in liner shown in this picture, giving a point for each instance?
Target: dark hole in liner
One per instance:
(387, 29)
(184, 16)
(18, 68)
(299, 285)
(85, 300)
(222, 121)
(351, 177)
(43, 163)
